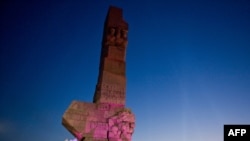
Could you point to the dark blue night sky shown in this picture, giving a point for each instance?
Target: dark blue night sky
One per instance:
(188, 66)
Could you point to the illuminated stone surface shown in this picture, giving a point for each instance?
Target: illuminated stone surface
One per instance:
(106, 119)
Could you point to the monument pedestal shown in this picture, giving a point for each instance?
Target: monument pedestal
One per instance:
(99, 122)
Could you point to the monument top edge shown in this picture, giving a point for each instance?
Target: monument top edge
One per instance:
(112, 7)
(114, 18)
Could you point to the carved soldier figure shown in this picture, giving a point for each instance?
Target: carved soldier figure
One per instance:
(124, 34)
(114, 133)
(121, 38)
(110, 40)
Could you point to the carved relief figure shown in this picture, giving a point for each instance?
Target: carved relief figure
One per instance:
(121, 38)
(115, 133)
(121, 126)
(124, 34)
(110, 40)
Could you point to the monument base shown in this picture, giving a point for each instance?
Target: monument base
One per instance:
(99, 121)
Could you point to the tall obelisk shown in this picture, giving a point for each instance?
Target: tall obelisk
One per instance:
(106, 119)
(112, 77)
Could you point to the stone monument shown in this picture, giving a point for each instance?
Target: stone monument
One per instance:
(107, 118)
